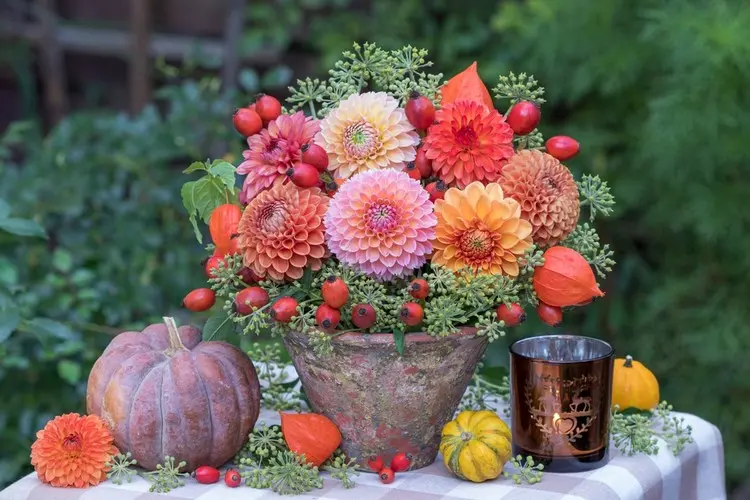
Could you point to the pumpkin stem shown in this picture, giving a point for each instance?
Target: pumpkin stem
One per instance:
(175, 343)
(628, 361)
(466, 436)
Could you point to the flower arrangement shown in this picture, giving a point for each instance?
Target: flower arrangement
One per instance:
(385, 200)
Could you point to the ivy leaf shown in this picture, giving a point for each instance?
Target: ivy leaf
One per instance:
(399, 338)
(69, 371)
(225, 172)
(9, 320)
(194, 167)
(188, 200)
(4, 209)
(23, 227)
(218, 327)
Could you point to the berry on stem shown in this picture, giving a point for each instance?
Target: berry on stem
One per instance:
(436, 190)
(386, 475)
(212, 265)
(206, 474)
(233, 478)
(400, 462)
(200, 299)
(335, 292)
(315, 156)
(249, 299)
(268, 107)
(550, 315)
(413, 171)
(284, 309)
(420, 111)
(524, 117)
(304, 175)
(412, 314)
(363, 315)
(562, 147)
(424, 164)
(512, 316)
(375, 463)
(419, 288)
(247, 122)
(326, 317)
(248, 276)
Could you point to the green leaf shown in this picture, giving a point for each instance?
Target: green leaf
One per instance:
(188, 200)
(9, 320)
(46, 326)
(399, 338)
(208, 194)
(4, 209)
(224, 171)
(307, 279)
(218, 327)
(69, 371)
(23, 227)
(194, 167)
(62, 260)
(8, 272)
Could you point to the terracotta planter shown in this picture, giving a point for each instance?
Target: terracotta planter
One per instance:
(384, 403)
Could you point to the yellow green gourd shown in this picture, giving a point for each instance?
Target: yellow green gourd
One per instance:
(633, 385)
(476, 445)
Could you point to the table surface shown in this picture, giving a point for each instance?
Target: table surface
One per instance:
(697, 474)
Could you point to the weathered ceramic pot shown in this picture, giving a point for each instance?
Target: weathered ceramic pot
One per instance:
(385, 403)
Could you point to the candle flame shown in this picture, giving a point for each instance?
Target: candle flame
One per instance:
(555, 418)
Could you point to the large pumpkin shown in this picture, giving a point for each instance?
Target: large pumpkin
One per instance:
(164, 392)
(476, 445)
(633, 385)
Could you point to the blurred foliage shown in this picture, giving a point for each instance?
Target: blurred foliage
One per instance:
(656, 92)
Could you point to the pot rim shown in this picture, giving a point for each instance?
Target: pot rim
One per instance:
(383, 338)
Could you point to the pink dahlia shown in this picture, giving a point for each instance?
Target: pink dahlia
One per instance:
(468, 142)
(381, 222)
(274, 150)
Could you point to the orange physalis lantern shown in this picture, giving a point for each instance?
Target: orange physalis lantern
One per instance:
(311, 435)
(466, 86)
(565, 279)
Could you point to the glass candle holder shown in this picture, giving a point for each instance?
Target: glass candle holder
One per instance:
(561, 393)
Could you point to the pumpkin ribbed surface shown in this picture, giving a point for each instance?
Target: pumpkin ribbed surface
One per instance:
(476, 445)
(161, 395)
(547, 193)
(633, 385)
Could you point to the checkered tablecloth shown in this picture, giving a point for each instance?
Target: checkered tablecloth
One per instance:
(697, 474)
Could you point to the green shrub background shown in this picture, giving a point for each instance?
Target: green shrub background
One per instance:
(656, 92)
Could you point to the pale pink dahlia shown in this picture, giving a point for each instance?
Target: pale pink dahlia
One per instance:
(367, 131)
(274, 150)
(381, 222)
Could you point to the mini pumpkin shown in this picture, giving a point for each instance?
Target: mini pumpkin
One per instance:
(634, 385)
(476, 445)
(164, 392)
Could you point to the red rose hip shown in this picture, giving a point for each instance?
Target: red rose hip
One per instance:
(304, 175)
(267, 107)
(524, 117)
(247, 122)
(249, 299)
(335, 292)
(423, 163)
(562, 147)
(550, 315)
(315, 156)
(200, 299)
(363, 315)
(420, 111)
(233, 478)
(400, 462)
(326, 317)
(512, 316)
(436, 190)
(206, 474)
(419, 288)
(412, 314)
(284, 309)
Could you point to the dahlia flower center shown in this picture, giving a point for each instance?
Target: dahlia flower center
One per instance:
(466, 137)
(476, 244)
(72, 442)
(361, 139)
(272, 216)
(381, 217)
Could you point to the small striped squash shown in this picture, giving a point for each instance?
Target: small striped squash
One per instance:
(476, 445)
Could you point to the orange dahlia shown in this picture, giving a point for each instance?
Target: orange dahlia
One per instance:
(72, 451)
(281, 231)
(480, 229)
(468, 142)
(547, 192)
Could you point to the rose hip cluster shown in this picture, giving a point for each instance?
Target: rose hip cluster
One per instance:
(399, 463)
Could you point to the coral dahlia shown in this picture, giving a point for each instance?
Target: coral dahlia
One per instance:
(382, 222)
(72, 451)
(282, 233)
(479, 228)
(468, 142)
(367, 131)
(274, 150)
(547, 192)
